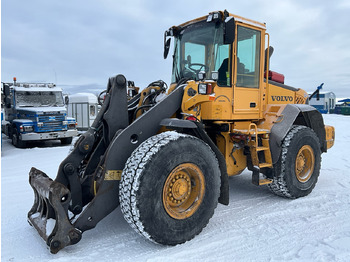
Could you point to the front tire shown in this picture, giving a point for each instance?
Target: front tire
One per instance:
(16, 140)
(66, 140)
(296, 172)
(170, 188)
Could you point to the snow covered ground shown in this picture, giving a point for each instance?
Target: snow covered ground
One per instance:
(256, 226)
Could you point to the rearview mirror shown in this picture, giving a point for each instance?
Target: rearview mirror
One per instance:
(166, 47)
(229, 30)
(7, 97)
(7, 101)
(6, 90)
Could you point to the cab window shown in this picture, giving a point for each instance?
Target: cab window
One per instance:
(248, 57)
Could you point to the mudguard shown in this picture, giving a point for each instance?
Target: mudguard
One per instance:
(296, 114)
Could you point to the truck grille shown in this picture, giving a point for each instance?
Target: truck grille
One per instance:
(51, 123)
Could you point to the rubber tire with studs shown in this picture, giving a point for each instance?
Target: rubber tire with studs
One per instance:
(285, 180)
(145, 177)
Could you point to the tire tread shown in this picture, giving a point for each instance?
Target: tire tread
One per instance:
(279, 185)
(131, 177)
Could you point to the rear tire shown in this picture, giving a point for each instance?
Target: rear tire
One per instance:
(296, 172)
(170, 188)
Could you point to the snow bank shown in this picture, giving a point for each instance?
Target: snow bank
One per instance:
(256, 226)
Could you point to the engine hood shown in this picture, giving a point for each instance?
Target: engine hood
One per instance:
(42, 110)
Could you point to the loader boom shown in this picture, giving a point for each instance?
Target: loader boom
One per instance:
(84, 181)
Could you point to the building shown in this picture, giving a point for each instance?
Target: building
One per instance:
(325, 103)
(343, 108)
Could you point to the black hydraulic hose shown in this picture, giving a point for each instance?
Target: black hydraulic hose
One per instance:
(141, 107)
(182, 81)
(156, 83)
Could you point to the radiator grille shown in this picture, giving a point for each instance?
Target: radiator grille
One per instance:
(51, 122)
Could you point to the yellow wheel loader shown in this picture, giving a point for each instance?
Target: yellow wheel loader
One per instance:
(165, 154)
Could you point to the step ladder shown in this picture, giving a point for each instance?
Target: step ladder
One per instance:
(255, 148)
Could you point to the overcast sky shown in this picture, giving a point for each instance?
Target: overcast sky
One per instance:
(83, 42)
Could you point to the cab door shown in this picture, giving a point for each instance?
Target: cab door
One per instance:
(247, 72)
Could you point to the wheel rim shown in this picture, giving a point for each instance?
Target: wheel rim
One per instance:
(183, 191)
(304, 163)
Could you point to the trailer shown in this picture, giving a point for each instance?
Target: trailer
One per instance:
(83, 107)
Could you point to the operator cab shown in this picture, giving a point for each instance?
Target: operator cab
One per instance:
(202, 47)
(228, 51)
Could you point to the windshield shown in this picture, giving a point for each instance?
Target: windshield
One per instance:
(37, 99)
(199, 47)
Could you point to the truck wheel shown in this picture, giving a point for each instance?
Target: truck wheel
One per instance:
(170, 188)
(297, 170)
(66, 140)
(16, 140)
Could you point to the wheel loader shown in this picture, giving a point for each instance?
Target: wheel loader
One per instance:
(165, 154)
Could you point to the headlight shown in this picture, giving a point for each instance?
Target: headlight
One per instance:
(201, 75)
(215, 75)
(205, 89)
(28, 128)
(40, 124)
(202, 89)
(72, 125)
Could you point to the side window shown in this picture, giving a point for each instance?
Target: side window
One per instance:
(222, 64)
(248, 57)
(92, 110)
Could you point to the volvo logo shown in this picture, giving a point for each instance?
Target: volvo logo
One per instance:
(282, 98)
(51, 118)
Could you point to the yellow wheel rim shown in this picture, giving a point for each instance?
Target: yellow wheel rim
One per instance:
(183, 191)
(304, 163)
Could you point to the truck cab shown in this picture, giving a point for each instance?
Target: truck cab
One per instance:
(35, 112)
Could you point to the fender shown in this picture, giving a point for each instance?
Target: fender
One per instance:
(296, 114)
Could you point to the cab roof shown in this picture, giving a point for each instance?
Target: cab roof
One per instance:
(236, 17)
